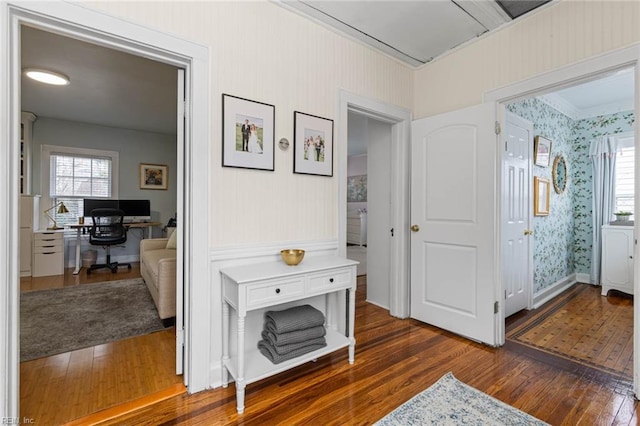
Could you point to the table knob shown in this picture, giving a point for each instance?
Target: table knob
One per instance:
(277, 291)
(330, 280)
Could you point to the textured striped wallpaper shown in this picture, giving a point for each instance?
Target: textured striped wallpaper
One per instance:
(264, 52)
(553, 37)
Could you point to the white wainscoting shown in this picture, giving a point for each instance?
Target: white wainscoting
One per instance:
(584, 278)
(246, 255)
(553, 290)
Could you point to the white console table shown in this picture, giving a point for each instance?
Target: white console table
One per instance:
(265, 285)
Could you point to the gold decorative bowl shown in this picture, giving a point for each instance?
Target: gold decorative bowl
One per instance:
(292, 256)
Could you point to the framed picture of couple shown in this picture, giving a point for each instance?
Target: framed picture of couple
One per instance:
(312, 144)
(247, 133)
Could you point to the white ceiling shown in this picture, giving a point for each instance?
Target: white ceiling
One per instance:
(108, 87)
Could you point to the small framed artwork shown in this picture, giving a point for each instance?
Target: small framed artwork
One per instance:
(154, 176)
(312, 144)
(542, 191)
(541, 151)
(248, 133)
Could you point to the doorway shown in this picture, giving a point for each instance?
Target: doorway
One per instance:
(575, 119)
(369, 203)
(85, 24)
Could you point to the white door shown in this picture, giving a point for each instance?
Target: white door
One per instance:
(378, 211)
(517, 265)
(454, 282)
(180, 134)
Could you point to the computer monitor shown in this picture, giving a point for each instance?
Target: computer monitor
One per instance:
(135, 210)
(98, 203)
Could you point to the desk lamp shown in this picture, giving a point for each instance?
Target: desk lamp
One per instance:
(61, 209)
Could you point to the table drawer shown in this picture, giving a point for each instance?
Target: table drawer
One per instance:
(47, 264)
(50, 245)
(275, 292)
(322, 282)
(47, 236)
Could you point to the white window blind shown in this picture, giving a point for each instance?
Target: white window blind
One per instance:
(75, 174)
(625, 176)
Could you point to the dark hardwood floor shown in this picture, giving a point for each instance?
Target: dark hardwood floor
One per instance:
(396, 359)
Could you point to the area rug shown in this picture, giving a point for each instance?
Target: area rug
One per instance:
(582, 326)
(451, 402)
(65, 319)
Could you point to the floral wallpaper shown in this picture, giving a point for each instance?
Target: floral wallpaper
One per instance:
(584, 131)
(357, 188)
(562, 240)
(553, 254)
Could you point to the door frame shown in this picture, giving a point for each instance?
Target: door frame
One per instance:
(580, 72)
(90, 25)
(400, 119)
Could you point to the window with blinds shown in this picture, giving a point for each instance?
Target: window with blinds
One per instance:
(625, 176)
(75, 177)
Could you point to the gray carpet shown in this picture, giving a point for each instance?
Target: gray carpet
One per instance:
(358, 253)
(65, 319)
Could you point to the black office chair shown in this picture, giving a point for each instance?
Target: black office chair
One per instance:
(107, 230)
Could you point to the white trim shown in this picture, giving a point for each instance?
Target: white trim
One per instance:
(80, 22)
(583, 278)
(400, 119)
(553, 290)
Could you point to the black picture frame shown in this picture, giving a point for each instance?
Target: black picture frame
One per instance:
(312, 144)
(243, 148)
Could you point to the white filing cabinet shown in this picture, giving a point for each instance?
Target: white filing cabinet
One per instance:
(357, 228)
(617, 259)
(48, 253)
(250, 287)
(29, 221)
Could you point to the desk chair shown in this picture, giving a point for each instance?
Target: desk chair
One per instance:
(107, 230)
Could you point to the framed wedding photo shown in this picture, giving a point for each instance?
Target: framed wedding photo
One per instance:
(154, 176)
(541, 151)
(312, 144)
(248, 133)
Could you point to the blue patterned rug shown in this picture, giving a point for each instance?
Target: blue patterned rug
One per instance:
(451, 402)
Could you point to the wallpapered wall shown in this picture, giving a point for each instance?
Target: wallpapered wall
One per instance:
(562, 240)
(583, 133)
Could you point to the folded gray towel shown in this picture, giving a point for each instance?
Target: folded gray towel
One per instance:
(296, 318)
(279, 339)
(285, 349)
(269, 351)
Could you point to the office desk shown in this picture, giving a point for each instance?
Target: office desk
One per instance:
(80, 226)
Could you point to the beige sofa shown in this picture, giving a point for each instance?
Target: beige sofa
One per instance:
(158, 269)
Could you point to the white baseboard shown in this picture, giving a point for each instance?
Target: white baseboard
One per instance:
(553, 290)
(584, 278)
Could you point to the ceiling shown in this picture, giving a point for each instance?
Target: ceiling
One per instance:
(414, 32)
(108, 87)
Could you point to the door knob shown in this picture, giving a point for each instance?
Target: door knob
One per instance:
(528, 232)
(415, 228)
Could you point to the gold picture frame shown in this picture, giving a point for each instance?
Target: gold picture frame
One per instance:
(541, 151)
(541, 196)
(154, 176)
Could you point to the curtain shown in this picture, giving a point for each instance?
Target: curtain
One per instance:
(603, 161)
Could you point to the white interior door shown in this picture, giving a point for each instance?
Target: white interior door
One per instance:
(454, 284)
(516, 214)
(180, 137)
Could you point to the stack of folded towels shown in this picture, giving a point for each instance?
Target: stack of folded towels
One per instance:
(291, 333)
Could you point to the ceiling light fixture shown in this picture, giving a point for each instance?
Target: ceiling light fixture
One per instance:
(46, 76)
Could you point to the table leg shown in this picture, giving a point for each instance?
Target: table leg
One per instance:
(225, 344)
(78, 265)
(240, 385)
(351, 302)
